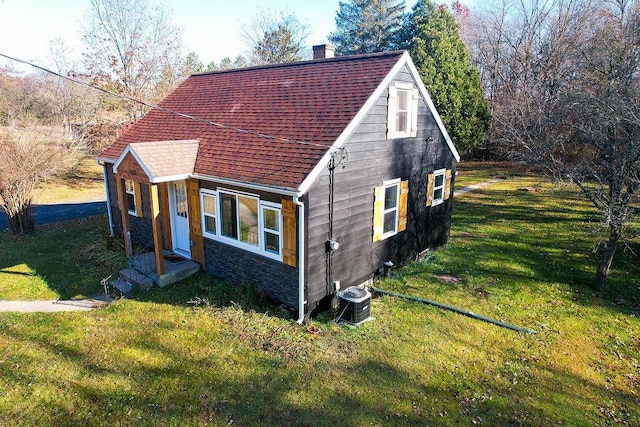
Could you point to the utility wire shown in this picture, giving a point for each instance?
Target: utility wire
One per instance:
(157, 107)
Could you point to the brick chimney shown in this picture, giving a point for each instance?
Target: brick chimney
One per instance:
(323, 51)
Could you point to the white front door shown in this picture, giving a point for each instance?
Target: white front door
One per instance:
(180, 218)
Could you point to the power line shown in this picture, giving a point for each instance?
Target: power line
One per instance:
(157, 107)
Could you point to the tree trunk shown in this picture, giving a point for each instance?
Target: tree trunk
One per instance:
(22, 222)
(605, 264)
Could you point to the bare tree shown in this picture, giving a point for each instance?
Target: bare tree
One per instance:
(564, 80)
(27, 158)
(74, 106)
(275, 37)
(132, 47)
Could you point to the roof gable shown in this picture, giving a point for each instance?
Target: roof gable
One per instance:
(161, 161)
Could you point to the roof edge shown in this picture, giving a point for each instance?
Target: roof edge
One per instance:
(285, 191)
(304, 62)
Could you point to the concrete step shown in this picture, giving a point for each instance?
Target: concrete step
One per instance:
(122, 286)
(135, 278)
(176, 272)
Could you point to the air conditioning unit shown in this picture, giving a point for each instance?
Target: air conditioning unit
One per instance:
(355, 305)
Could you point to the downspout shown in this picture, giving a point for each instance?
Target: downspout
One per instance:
(301, 267)
(106, 188)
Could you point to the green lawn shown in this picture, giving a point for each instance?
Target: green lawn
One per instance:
(84, 182)
(208, 352)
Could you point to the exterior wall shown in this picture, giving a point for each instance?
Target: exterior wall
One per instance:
(276, 279)
(371, 160)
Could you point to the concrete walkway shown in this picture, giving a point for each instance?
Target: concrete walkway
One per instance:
(475, 187)
(50, 306)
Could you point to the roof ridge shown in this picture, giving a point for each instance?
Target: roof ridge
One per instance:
(345, 58)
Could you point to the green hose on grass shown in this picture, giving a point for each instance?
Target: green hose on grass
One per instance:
(455, 310)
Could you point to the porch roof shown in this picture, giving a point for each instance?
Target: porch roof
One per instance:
(163, 160)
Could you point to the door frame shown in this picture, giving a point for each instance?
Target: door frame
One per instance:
(173, 214)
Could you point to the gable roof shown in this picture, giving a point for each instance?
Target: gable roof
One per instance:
(163, 160)
(271, 125)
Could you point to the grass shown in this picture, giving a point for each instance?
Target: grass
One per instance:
(205, 352)
(57, 261)
(84, 182)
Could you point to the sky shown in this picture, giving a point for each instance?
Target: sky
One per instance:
(211, 28)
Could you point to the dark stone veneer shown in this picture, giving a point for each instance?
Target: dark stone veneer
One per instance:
(277, 280)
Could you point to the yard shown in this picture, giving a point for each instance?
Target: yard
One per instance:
(207, 352)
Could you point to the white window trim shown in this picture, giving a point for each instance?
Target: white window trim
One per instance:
(133, 193)
(211, 193)
(412, 110)
(385, 185)
(260, 249)
(440, 200)
(263, 242)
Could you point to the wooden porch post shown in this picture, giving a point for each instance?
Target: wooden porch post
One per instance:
(157, 228)
(120, 186)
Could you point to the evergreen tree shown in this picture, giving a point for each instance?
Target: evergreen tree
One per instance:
(365, 26)
(443, 61)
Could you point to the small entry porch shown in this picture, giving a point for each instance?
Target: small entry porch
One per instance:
(170, 208)
(142, 272)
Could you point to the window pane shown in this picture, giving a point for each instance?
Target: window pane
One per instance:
(403, 100)
(390, 197)
(272, 242)
(209, 204)
(210, 224)
(248, 220)
(402, 111)
(229, 216)
(439, 180)
(131, 202)
(401, 123)
(130, 188)
(389, 222)
(271, 219)
(437, 194)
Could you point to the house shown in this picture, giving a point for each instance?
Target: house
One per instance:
(303, 177)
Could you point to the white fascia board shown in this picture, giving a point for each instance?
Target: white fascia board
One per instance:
(161, 179)
(127, 150)
(106, 160)
(432, 108)
(340, 141)
(284, 191)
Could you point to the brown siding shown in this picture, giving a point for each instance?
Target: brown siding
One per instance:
(130, 169)
(195, 226)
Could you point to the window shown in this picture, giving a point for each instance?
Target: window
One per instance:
(242, 220)
(131, 196)
(438, 187)
(209, 220)
(390, 209)
(402, 110)
(390, 214)
(271, 229)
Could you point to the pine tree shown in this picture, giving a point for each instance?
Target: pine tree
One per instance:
(443, 61)
(365, 26)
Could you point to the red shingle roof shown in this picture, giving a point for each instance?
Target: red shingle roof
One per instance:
(309, 103)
